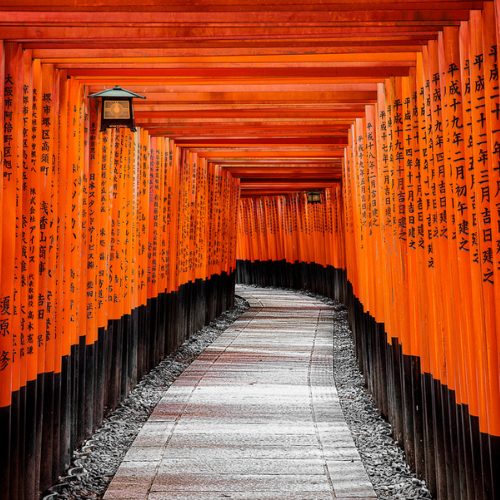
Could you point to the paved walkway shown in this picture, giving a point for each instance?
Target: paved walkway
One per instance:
(255, 417)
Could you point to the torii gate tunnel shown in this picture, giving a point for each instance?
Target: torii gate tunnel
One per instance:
(117, 245)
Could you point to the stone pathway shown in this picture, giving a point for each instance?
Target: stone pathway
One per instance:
(255, 417)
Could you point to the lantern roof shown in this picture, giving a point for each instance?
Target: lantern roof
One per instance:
(117, 92)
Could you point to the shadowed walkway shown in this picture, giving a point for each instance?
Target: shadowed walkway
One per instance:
(255, 417)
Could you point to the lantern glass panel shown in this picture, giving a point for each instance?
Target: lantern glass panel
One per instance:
(114, 110)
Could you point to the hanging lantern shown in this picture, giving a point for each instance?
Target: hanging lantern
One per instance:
(314, 197)
(116, 108)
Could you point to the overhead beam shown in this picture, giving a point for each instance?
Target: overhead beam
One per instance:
(315, 142)
(146, 111)
(345, 70)
(337, 13)
(219, 47)
(299, 185)
(205, 5)
(255, 174)
(264, 97)
(82, 33)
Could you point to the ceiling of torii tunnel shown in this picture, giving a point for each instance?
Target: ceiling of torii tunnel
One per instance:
(266, 89)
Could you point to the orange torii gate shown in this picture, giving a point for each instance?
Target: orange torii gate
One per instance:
(117, 245)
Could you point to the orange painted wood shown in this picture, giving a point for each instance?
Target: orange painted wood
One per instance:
(490, 262)
(117, 34)
(9, 376)
(402, 12)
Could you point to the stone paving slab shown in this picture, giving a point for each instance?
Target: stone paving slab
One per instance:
(262, 453)
(243, 439)
(253, 495)
(255, 417)
(243, 466)
(239, 482)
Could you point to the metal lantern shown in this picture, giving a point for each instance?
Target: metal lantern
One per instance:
(116, 108)
(314, 197)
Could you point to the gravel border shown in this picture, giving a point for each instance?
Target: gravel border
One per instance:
(96, 462)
